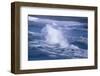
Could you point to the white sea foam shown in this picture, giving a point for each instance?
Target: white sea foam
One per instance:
(54, 35)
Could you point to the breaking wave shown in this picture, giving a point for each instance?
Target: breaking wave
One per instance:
(53, 45)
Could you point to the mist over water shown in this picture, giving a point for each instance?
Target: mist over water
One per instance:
(54, 36)
(50, 39)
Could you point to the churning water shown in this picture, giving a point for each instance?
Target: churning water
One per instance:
(49, 40)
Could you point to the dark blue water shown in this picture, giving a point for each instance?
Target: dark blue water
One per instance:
(74, 29)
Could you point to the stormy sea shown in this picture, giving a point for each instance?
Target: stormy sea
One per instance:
(57, 37)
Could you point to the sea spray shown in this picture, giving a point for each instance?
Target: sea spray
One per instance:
(54, 36)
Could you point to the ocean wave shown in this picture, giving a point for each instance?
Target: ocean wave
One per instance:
(71, 51)
(34, 33)
(74, 28)
(54, 43)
